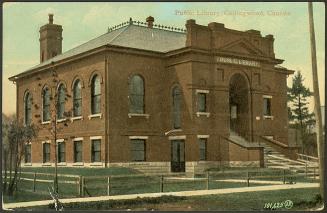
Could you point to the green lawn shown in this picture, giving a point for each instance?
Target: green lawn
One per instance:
(302, 199)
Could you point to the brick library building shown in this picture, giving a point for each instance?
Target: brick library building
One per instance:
(155, 98)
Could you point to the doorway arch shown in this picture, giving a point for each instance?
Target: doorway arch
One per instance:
(239, 105)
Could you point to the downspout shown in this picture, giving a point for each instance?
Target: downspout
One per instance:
(251, 119)
(106, 120)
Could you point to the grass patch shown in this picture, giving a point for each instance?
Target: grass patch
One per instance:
(121, 204)
(301, 198)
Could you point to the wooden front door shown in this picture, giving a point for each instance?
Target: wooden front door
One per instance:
(177, 156)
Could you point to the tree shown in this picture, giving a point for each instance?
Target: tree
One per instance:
(299, 113)
(5, 148)
(17, 136)
(55, 110)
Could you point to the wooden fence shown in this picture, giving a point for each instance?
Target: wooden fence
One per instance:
(82, 186)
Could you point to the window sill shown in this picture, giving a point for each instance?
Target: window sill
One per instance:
(76, 118)
(45, 122)
(198, 114)
(61, 120)
(268, 117)
(62, 164)
(130, 115)
(46, 164)
(27, 164)
(99, 115)
(78, 164)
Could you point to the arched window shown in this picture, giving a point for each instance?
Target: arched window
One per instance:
(61, 101)
(95, 95)
(28, 108)
(46, 104)
(136, 95)
(177, 99)
(77, 102)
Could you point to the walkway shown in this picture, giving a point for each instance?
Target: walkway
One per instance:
(184, 193)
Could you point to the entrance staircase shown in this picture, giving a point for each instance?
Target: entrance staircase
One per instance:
(306, 165)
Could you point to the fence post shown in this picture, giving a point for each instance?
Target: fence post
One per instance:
(207, 187)
(79, 186)
(306, 170)
(283, 176)
(248, 178)
(108, 185)
(161, 183)
(34, 180)
(83, 185)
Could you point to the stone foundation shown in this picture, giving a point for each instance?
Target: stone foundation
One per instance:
(244, 163)
(191, 167)
(145, 167)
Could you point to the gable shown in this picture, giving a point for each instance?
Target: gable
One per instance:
(242, 46)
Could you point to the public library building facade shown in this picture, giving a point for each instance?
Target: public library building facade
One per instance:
(156, 98)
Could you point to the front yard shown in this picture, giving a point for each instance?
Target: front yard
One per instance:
(128, 181)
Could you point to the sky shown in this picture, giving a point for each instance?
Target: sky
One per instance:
(81, 22)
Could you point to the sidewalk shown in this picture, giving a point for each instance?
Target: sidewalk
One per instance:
(184, 193)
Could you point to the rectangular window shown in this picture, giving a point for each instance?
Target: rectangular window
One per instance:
(266, 106)
(46, 152)
(203, 148)
(78, 151)
(61, 152)
(28, 153)
(138, 150)
(96, 150)
(202, 102)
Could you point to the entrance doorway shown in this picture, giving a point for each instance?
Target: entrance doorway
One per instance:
(239, 106)
(177, 156)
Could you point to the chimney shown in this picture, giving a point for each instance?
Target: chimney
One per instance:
(50, 18)
(150, 21)
(50, 40)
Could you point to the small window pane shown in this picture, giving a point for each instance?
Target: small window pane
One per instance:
(96, 151)
(61, 152)
(61, 102)
(138, 150)
(46, 104)
(46, 152)
(28, 153)
(202, 102)
(203, 148)
(136, 95)
(267, 106)
(28, 108)
(77, 105)
(95, 95)
(78, 151)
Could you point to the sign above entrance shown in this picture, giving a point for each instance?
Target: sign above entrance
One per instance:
(237, 61)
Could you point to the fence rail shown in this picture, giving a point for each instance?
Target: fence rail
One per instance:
(308, 157)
